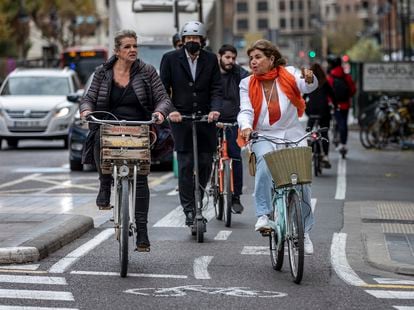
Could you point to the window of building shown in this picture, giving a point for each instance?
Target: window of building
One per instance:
(292, 5)
(242, 24)
(282, 6)
(262, 23)
(242, 7)
(347, 8)
(300, 23)
(282, 23)
(292, 23)
(262, 6)
(300, 5)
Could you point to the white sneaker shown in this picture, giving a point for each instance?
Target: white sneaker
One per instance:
(262, 223)
(308, 245)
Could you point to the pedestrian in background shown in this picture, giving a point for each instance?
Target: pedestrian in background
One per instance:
(320, 102)
(176, 41)
(231, 75)
(344, 88)
(271, 104)
(192, 78)
(131, 90)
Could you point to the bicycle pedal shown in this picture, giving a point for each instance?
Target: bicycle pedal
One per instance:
(265, 232)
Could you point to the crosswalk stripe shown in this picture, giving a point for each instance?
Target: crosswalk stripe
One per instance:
(393, 281)
(34, 294)
(137, 275)
(31, 267)
(255, 250)
(404, 307)
(223, 235)
(33, 280)
(7, 307)
(391, 294)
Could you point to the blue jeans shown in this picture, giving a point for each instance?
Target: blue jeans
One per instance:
(342, 122)
(263, 187)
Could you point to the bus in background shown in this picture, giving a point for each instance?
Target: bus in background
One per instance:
(83, 60)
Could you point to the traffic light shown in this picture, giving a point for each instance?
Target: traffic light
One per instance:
(312, 54)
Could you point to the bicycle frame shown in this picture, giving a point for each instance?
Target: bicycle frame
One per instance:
(224, 156)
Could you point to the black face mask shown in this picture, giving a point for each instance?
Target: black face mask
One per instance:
(192, 47)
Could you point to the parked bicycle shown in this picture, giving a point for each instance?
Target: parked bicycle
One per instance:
(125, 152)
(221, 181)
(291, 168)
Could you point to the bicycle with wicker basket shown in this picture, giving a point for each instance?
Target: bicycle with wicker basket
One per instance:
(125, 153)
(291, 168)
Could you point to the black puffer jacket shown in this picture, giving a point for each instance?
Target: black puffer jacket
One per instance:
(146, 84)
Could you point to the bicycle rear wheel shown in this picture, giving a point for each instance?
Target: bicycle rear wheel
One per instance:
(124, 221)
(227, 194)
(295, 236)
(316, 158)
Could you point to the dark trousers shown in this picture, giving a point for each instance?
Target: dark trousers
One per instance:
(142, 190)
(342, 122)
(186, 177)
(323, 122)
(234, 153)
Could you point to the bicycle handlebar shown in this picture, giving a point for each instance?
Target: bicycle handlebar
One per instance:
(92, 118)
(254, 136)
(194, 117)
(222, 124)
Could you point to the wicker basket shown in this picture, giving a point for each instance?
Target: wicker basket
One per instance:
(284, 162)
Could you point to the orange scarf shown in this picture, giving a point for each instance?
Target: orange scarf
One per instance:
(287, 84)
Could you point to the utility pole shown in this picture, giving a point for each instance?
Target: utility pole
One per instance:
(176, 16)
(200, 10)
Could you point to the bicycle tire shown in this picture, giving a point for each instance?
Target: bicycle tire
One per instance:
(295, 237)
(276, 254)
(124, 220)
(316, 159)
(227, 194)
(364, 138)
(200, 231)
(214, 185)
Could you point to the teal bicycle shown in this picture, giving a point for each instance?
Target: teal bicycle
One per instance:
(291, 168)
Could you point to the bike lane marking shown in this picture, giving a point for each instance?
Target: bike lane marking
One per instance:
(341, 180)
(21, 180)
(72, 257)
(200, 267)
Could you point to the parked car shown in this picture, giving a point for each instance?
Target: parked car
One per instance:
(34, 104)
(161, 153)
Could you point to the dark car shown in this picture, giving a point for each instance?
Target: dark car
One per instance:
(161, 152)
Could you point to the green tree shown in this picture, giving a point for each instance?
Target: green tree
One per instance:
(344, 36)
(366, 49)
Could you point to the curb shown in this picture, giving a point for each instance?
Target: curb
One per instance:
(63, 232)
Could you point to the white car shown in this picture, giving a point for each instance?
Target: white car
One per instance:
(34, 105)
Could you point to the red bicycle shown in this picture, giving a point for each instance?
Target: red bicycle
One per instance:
(221, 182)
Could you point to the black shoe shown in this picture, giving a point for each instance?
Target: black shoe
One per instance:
(236, 205)
(189, 218)
(104, 197)
(143, 244)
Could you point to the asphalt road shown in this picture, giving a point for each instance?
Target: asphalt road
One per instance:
(230, 270)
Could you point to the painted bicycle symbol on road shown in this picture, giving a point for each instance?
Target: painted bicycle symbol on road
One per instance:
(180, 291)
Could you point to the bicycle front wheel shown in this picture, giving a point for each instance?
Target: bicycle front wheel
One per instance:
(227, 193)
(294, 237)
(124, 231)
(215, 190)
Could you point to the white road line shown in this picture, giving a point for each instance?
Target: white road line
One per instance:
(174, 192)
(176, 217)
(73, 256)
(35, 294)
(391, 294)
(404, 307)
(200, 267)
(41, 169)
(137, 275)
(20, 267)
(223, 235)
(394, 281)
(32, 308)
(340, 263)
(33, 280)
(341, 180)
(21, 180)
(255, 250)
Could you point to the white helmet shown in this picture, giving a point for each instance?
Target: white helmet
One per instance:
(194, 28)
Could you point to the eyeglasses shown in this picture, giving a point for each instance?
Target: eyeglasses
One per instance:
(128, 46)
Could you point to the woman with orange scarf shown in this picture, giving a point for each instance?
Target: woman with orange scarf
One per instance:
(271, 103)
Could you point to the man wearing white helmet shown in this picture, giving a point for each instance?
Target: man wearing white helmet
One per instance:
(192, 78)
